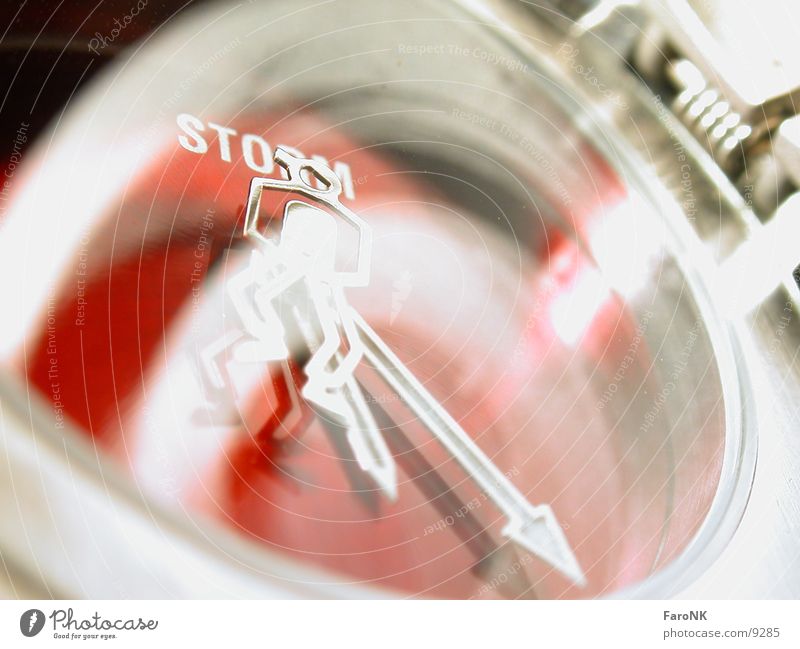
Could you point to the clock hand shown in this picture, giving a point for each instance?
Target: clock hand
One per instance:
(491, 560)
(360, 483)
(346, 404)
(533, 528)
(268, 327)
(366, 441)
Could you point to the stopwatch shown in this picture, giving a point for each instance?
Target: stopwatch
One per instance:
(372, 299)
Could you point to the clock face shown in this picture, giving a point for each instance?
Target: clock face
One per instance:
(519, 272)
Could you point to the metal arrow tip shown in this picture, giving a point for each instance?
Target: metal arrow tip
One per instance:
(542, 535)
